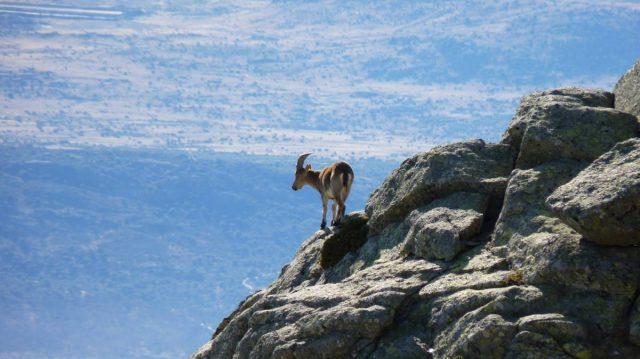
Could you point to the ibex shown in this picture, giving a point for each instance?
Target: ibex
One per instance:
(333, 182)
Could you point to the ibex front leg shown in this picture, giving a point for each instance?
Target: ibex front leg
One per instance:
(323, 224)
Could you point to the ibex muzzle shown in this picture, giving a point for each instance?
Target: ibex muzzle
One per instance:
(333, 182)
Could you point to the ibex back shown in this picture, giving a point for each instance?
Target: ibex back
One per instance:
(333, 182)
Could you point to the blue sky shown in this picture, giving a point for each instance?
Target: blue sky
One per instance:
(357, 78)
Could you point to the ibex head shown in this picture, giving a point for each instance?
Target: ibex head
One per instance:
(301, 172)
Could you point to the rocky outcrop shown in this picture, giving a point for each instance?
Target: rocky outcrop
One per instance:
(627, 91)
(571, 123)
(472, 166)
(473, 250)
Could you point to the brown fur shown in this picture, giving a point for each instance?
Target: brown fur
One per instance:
(332, 182)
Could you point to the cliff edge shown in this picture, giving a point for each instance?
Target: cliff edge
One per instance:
(527, 248)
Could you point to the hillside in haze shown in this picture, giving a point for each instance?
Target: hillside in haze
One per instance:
(359, 79)
(139, 246)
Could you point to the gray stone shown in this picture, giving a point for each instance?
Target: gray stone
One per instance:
(563, 124)
(322, 320)
(446, 308)
(484, 331)
(588, 97)
(564, 259)
(524, 211)
(627, 91)
(487, 337)
(438, 230)
(472, 166)
(452, 282)
(478, 259)
(544, 250)
(530, 105)
(554, 325)
(529, 345)
(403, 341)
(603, 201)
(593, 283)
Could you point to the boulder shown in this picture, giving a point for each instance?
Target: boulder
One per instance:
(447, 308)
(591, 282)
(579, 350)
(546, 252)
(603, 201)
(627, 91)
(531, 104)
(472, 166)
(567, 124)
(524, 211)
(453, 282)
(564, 259)
(555, 325)
(437, 231)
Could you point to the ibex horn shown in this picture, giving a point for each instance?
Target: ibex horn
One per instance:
(301, 159)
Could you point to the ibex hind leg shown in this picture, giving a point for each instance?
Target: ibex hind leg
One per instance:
(334, 213)
(340, 214)
(343, 208)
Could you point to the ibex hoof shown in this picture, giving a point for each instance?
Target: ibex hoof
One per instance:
(323, 225)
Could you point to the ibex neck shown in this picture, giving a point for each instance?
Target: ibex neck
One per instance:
(313, 179)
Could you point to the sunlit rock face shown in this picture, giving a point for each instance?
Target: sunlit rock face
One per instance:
(472, 166)
(627, 91)
(522, 249)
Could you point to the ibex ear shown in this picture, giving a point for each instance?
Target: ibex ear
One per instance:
(308, 168)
